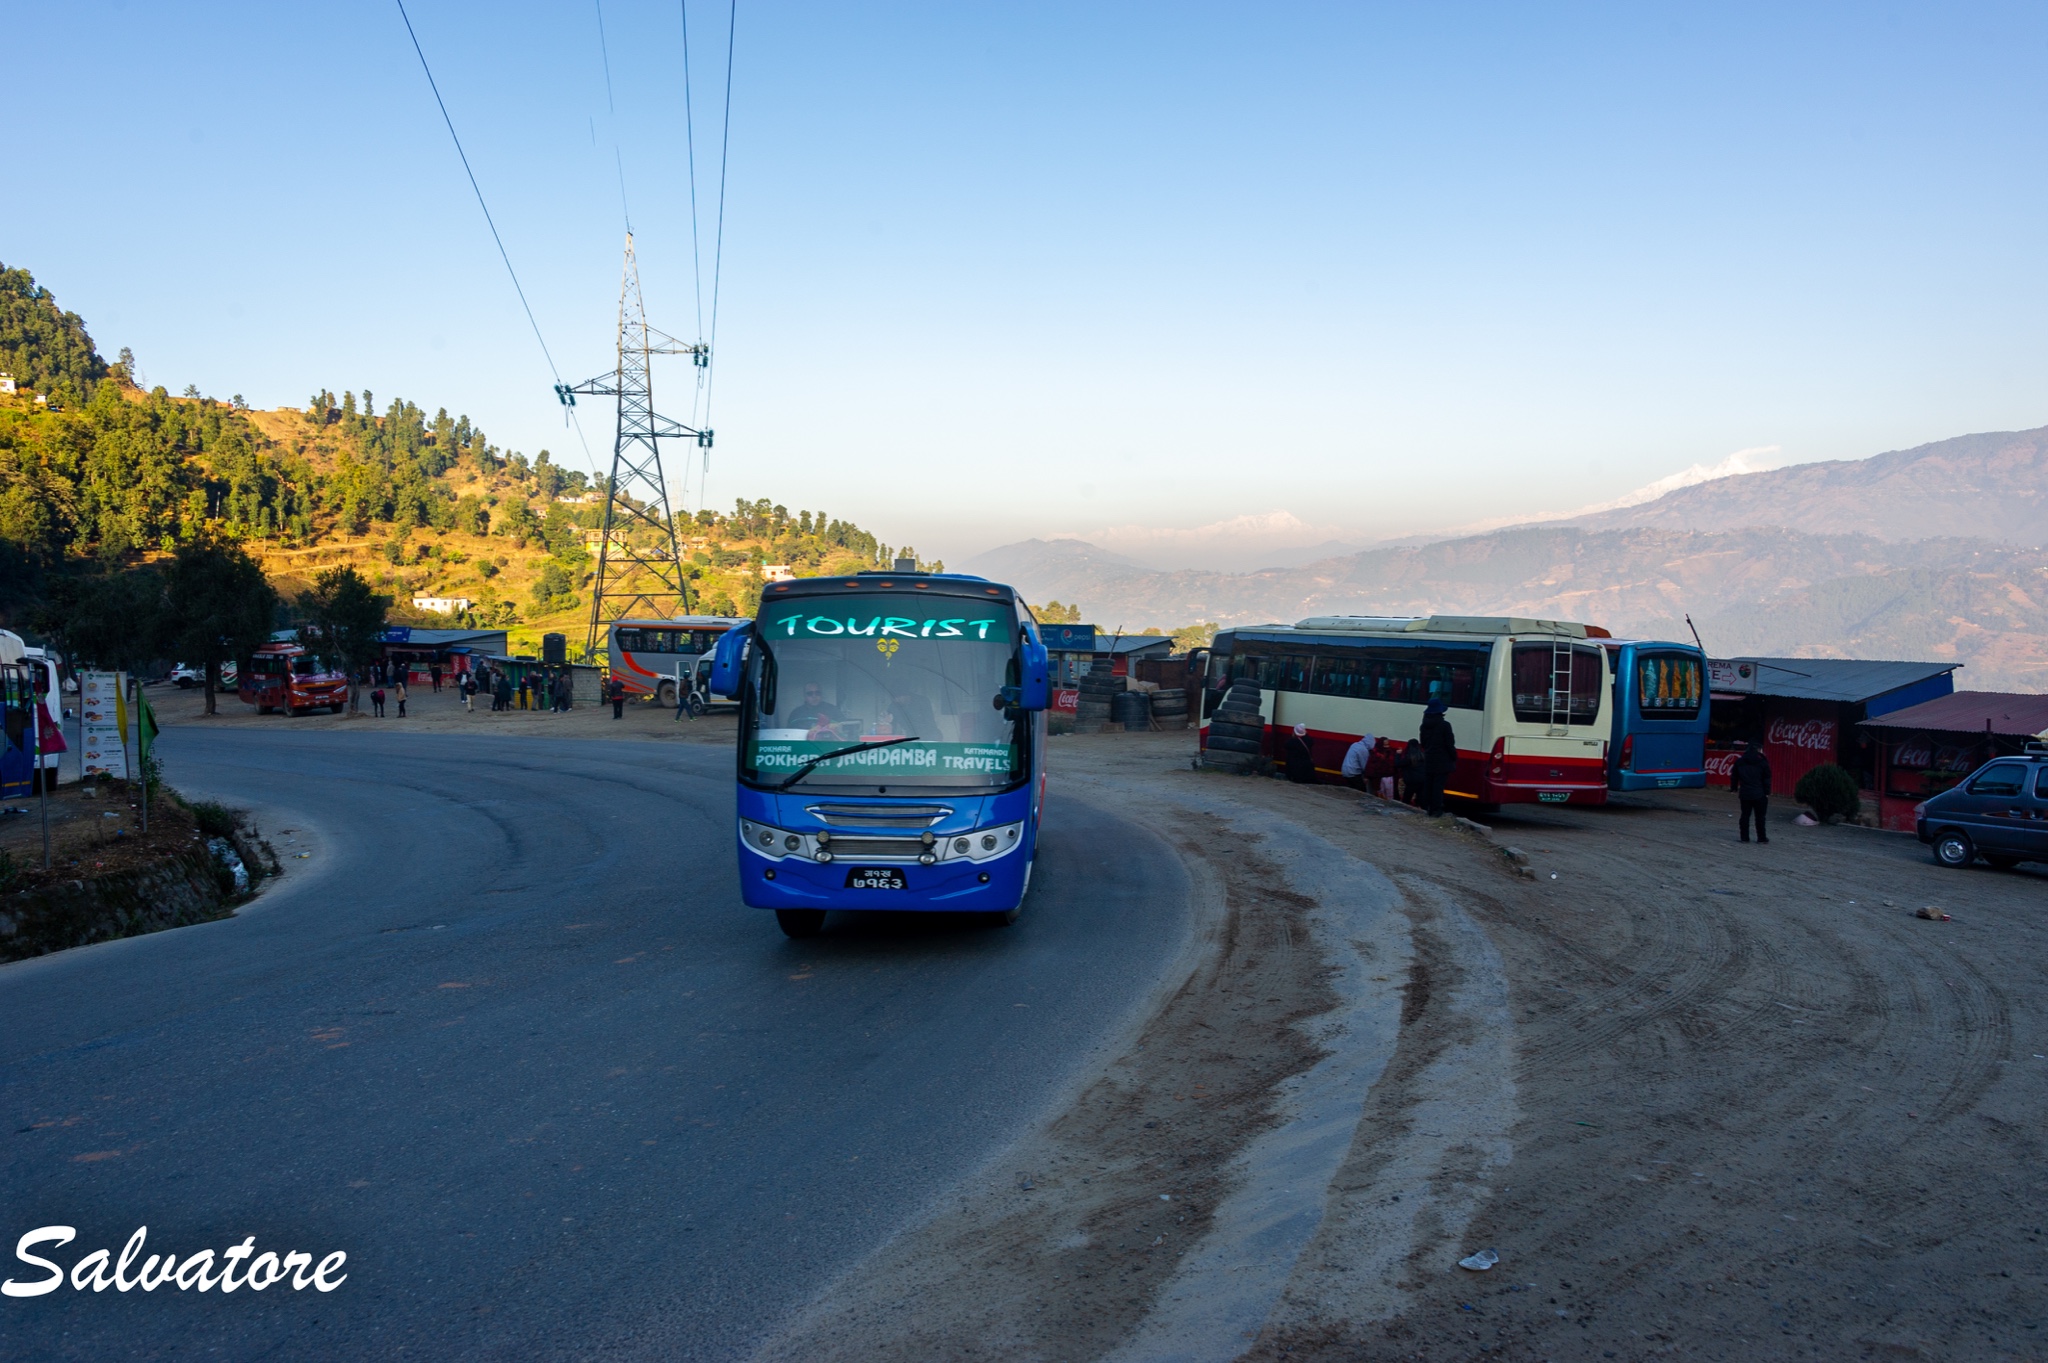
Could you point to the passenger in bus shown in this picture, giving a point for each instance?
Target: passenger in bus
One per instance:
(915, 714)
(1439, 756)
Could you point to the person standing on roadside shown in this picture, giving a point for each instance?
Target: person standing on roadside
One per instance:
(501, 697)
(377, 701)
(1750, 779)
(466, 684)
(434, 676)
(1357, 769)
(398, 689)
(1299, 757)
(1439, 756)
(617, 694)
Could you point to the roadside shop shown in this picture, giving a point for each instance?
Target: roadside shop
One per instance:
(453, 650)
(1806, 711)
(1925, 749)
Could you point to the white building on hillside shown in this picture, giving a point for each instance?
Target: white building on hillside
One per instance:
(445, 605)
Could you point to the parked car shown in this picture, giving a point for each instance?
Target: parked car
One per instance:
(1999, 813)
(187, 675)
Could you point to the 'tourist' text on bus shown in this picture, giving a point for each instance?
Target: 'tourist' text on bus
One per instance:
(891, 746)
(1527, 699)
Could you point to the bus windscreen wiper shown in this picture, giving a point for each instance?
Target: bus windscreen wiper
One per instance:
(807, 768)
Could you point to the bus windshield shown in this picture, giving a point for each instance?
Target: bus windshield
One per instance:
(1668, 685)
(838, 672)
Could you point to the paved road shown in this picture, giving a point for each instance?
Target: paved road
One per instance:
(510, 1040)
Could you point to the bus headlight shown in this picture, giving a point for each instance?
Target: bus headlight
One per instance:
(984, 844)
(774, 843)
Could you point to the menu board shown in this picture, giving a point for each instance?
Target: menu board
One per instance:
(104, 712)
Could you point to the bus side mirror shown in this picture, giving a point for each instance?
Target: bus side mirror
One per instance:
(1035, 673)
(728, 663)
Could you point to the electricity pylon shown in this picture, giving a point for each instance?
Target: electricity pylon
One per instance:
(636, 494)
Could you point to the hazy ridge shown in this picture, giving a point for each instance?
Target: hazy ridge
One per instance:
(1929, 553)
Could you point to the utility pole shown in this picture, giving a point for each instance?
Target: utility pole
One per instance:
(633, 576)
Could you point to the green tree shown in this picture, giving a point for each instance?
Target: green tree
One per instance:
(114, 621)
(350, 619)
(46, 349)
(218, 605)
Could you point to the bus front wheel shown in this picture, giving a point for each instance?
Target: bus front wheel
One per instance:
(800, 922)
(666, 697)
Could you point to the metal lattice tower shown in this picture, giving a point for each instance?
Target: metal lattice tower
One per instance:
(639, 561)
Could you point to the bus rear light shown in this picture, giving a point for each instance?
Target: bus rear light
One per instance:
(1628, 751)
(1497, 765)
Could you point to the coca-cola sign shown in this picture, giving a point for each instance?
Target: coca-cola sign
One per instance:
(1721, 764)
(1915, 754)
(1816, 735)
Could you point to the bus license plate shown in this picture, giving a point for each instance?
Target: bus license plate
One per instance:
(1667, 783)
(1554, 797)
(875, 878)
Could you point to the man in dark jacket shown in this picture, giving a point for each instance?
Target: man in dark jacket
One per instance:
(616, 693)
(1751, 781)
(1439, 756)
(1299, 757)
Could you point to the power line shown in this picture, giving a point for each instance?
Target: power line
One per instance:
(718, 251)
(492, 224)
(690, 141)
(618, 158)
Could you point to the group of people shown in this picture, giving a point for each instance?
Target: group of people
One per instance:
(1413, 772)
(398, 672)
(552, 693)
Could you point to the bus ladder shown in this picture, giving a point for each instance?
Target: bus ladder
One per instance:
(1560, 685)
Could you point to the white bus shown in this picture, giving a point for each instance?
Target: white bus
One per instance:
(1529, 700)
(650, 656)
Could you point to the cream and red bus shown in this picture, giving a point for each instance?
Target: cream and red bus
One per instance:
(650, 656)
(1529, 700)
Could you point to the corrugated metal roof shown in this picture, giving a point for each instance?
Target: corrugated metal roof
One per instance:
(1132, 643)
(1845, 679)
(1967, 712)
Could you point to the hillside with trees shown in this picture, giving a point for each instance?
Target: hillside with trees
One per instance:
(98, 475)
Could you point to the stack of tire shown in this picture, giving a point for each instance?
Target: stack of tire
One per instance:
(1098, 688)
(1132, 709)
(1170, 708)
(1237, 732)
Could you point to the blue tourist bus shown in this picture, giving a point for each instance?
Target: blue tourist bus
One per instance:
(1661, 711)
(891, 746)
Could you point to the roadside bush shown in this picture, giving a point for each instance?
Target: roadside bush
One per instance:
(1830, 792)
(213, 818)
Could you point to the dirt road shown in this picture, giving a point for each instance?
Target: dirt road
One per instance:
(1706, 1100)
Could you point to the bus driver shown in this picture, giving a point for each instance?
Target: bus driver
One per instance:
(815, 714)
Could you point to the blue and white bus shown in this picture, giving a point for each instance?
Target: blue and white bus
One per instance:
(1661, 713)
(891, 746)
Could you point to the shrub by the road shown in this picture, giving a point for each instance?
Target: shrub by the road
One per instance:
(1830, 792)
(213, 818)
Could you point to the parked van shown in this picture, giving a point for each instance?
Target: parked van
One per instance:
(1999, 813)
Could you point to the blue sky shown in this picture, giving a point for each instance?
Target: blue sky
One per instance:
(1000, 271)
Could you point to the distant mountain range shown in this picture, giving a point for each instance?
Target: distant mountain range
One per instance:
(1992, 486)
(1930, 553)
